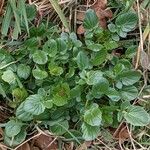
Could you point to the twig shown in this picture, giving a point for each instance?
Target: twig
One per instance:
(103, 144)
(131, 139)
(140, 48)
(51, 143)
(37, 135)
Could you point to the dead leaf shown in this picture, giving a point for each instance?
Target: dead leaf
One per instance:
(102, 12)
(24, 147)
(80, 30)
(35, 148)
(122, 133)
(1, 6)
(145, 60)
(44, 143)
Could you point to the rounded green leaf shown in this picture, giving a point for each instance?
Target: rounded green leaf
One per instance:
(127, 21)
(82, 60)
(93, 115)
(48, 104)
(40, 57)
(94, 77)
(55, 70)
(137, 116)
(23, 71)
(39, 74)
(90, 20)
(19, 94)
(19, 138)
(90, 132)
(22, 114)
(98, 58)
(33, 104)
(60, 128)
(12, 128)
(129, 77)
(50, 47)
(100, 88)
(113, 94)
(129, 93)
(8, 76)
(61, 46)
(112, 28)
(59, 101)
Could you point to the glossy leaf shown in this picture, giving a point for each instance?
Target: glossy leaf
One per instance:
(40, 57)
(137, 116)
(129, 93)
(33, 104)
(9, 76)
(12, 128)
(93, 115)
(90, 132)
(39, 74)
(129, 77)
(23, 71)
(90, 20)
(82, 60)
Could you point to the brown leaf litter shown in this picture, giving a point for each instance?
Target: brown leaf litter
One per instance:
(103, 13)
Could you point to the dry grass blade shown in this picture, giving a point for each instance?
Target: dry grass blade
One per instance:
(17, 19)
(60, 13)
(6, 20)
(21, 5)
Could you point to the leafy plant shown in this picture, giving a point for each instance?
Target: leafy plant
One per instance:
(124, 23)
(61, 81)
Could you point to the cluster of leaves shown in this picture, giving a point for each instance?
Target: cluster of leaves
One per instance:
(57, 81)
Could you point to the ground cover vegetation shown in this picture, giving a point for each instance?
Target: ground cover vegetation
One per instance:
(75, 86)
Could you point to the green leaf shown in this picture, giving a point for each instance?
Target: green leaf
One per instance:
(19, 94)
(82, 60)
(61, 94)
(113, 94)
(94, 77)
(137, 116)
(90, 132)
(23, 71)
(90, 20)
(112, 28)
(95, 47)
(31, 11)
(129, 77)
(48, 104)
(9, 77)
(39, 74)
(22, 114)
(19, 138)
(50, 47)
(61, 46)
(55, 70)
(100, 88)
(40, 57)
(115, 37)
(59, 128)
(12, 128)
(34, 104)
(129, 93)
(127, 21)
(93, 115)
(99, 57)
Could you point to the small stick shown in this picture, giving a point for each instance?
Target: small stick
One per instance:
(140, 48)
